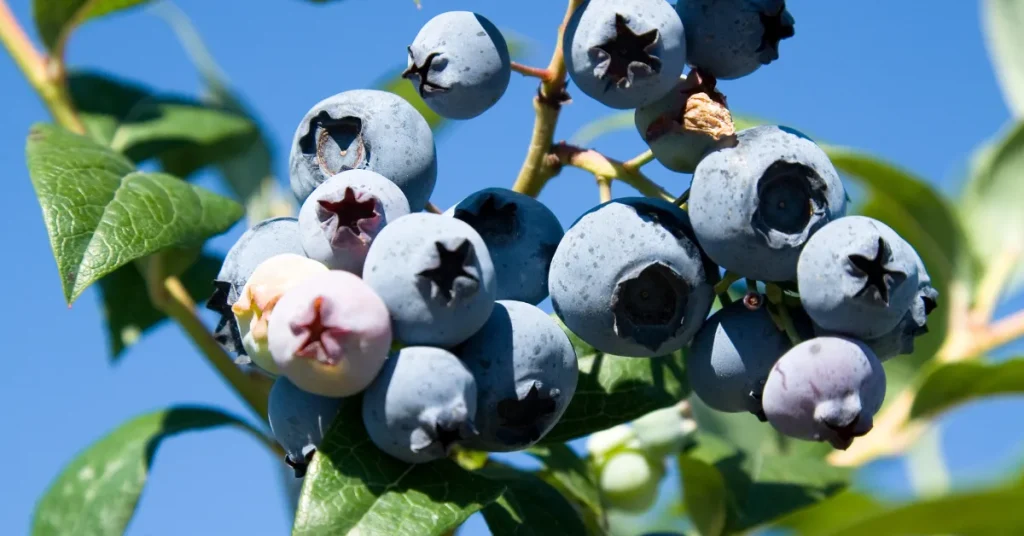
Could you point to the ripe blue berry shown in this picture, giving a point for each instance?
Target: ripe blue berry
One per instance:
(521, 235)
(299, 420)
(731, 38)
(629, 279)
(625, 53)
(459, 63)
(421, 405)
(753, 206)
(731, 356)
(342, 216)
(436, 277)
(525, 370)
(365, 129)
(857, 277)
(825, 389)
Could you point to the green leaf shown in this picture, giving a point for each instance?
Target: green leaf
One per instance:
(129, 315)
(572, 477)
(96, 493)
(762, 486)
(101, 214)
(250, 173)
(56, 19)
(185, 135)
(704, 494)
(991, 208)
(742, 431)
(953, 384)
(529, 506)
(988, 511)
(1003, 20)
(352, 487)
(614, 389)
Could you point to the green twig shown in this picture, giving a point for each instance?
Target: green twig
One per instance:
(639, 161)
(727, 280)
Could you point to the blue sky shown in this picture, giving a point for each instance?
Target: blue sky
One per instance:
(907, 82)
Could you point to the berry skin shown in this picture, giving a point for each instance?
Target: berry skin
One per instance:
(625, 53)
(436, 277)
(630, 280)
(825, 389)
(521, 235)
(753, 206)
(730, 39)
(420, 405)
(629, 481)
(330, 334)
(900, 340)
(342, 216)
(460, 65)
(731, 356)
(857, 277)
(525, 371)
(365, 129)
(686, 124)
(299, 421)
(254, 308)
(264, 240)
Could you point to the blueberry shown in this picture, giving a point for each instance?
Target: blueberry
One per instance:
(521, 235)
(436, 277)
(686, 124)
(753, 206)
(900, 340)
(525, 370)
(299, 420)
(731, 38)
(731, 356)
(421, 405)
(264, 240)
(857, 277)
(629, 481)
(825, 389)
(342, 216)
(330, 334)
(459, 63)
(254, 308)
(365, 129)
(629, 279)
(625, 53)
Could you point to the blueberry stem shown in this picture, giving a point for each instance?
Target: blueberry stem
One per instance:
(604, 188)
(536, 72)
(780, 312)
(722, 287)
(991, 287)
(682, 199)
(546, 105)
(46, 74)
(601, 165)
(751, 285)
(639, 160)
(433, 208)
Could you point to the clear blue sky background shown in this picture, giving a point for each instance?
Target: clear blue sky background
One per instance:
(907, 81)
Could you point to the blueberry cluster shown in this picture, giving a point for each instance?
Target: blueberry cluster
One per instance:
(432, 319)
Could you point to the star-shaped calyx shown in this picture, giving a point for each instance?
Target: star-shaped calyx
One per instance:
(777, 26)
(845, 434)
(626, 55)
(300, 466)
(318, 340)
(350, 217)
(494, 220)
(421, 74)
(451, 265)
(878, 279)
(522, 417)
